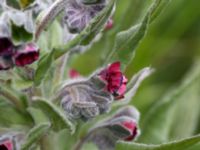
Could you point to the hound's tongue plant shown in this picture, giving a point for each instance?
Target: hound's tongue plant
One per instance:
(42, 108)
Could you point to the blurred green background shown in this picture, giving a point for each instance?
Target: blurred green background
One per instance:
(172, 47)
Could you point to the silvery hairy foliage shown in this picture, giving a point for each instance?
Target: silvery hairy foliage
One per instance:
(44, 97)
(85, 98)
(77, 14)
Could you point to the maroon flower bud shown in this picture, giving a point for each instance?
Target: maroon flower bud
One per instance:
(126, 120)
(109, 24)
(132, 127)
(6, 144)
(121, 126)
(6, 51)
(78, 15)
(26, 54)
(6, 46)
(116, 81)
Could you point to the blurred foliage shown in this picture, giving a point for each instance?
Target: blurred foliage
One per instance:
(171, 46)
(168, 100)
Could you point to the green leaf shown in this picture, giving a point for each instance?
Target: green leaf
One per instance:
(127, 41)
(136, 80)
(55, 34)
(176, 145)
(157, 12)
(18, 99)
(47, 16)
(89, 146)
(156, 124)
(35, 134)
(13, 3)
(61, 137)
(56, 116)
(19, 33)
(98, 24)
(10, 116)
(187, 113)
(37, 115)
(44, 65)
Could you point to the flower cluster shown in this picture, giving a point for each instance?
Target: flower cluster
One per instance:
(20, 55)
(87, 98)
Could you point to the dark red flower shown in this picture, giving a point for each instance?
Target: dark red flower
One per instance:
(26, 54)
(6, 145)
(116, 81)
(131, 126)
(109, 24)
(6, 51)
(6, 46)
(74, 73)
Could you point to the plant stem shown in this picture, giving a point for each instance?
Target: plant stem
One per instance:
(10, 97)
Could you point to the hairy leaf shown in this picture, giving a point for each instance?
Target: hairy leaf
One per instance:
(127, 41)
(159, 118)
(56, 116)
(35, 134)
(176, 145)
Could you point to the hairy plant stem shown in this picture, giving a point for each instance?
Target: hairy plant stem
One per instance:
(81, 142)
(10, 97)
(49, 16)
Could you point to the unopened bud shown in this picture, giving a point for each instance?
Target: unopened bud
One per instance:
(85, 99)
(77, 15)
(26, 54)
(121, 126)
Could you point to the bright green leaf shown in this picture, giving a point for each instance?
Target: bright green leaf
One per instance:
(98, 23)
(35, 134)
(19, 33)
(177, 145)
(127, 41)
(44, 65)
(37, 115)
(157, 122)
(56, 116)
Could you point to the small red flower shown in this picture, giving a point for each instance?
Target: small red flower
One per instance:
(109, 24)
(6, 145)
(132, 127)
(116, 81)
(74, 73)
(26, 54)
